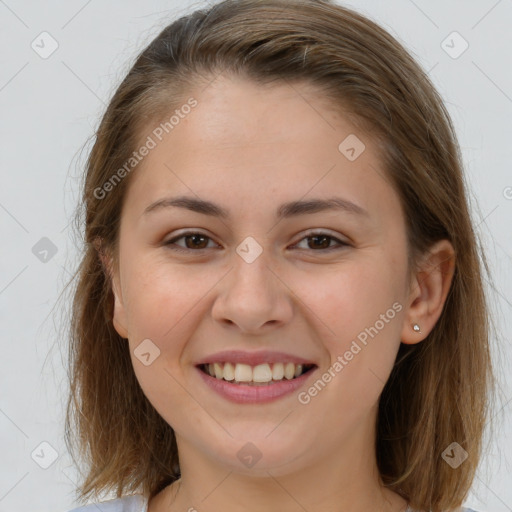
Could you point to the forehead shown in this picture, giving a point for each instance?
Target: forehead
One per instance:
(282, 139)
(235, 111)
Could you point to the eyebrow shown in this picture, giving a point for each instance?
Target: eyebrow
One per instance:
(286, 210)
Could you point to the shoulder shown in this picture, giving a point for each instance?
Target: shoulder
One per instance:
(132, 503)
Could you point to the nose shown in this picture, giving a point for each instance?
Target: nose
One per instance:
(253, 297)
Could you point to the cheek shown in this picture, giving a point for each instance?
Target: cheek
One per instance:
(166, 304)
(352, 297)
(162, 313)
(360, 310)
(160, 296)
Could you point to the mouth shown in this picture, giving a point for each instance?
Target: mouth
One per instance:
(265, 374)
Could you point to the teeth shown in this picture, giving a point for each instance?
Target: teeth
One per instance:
(261, 374)
(289, 371)
(243, 373)
(228, 372)
(278, 371)
(218, 371)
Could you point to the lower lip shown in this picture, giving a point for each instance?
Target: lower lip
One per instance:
(244, 394)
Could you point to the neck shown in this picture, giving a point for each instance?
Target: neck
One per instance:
(232, 492)
(328, 483)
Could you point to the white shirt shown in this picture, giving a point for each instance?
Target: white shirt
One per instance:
(132, 503)
(138, 503)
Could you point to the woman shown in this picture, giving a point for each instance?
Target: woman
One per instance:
(280, 304)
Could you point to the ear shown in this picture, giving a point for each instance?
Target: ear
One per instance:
(429, 288)
(119, 315)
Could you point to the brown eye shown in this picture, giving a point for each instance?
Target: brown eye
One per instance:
(322, 241)
(197, 241)
(193, 241)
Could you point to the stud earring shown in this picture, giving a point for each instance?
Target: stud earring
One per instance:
(416, 328)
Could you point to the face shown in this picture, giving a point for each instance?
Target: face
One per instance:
(270, 285)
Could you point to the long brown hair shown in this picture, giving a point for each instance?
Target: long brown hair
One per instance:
(439, 390)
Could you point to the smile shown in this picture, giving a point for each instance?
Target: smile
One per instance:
(259, 375)
(244, 384)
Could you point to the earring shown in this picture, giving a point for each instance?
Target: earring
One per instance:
(416, 328)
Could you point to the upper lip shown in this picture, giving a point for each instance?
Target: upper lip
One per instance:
(253, 358)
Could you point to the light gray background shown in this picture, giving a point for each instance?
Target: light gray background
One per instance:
(49, 107)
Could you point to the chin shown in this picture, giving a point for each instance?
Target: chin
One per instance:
(259, 455)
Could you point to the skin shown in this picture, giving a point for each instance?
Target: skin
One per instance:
(251, 148)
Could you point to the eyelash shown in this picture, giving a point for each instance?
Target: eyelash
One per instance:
(171, 243)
